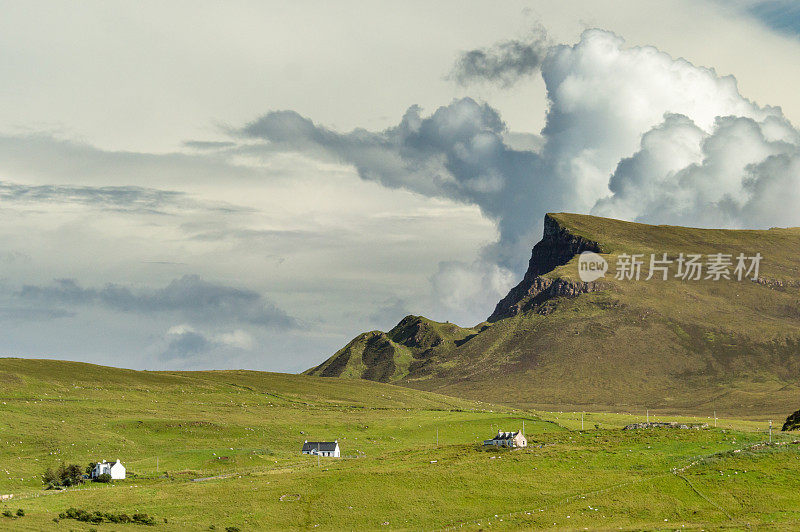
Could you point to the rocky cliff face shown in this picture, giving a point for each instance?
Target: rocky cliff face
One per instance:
(557, 247)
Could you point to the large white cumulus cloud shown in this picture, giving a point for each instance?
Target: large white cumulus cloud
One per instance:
(671, 142)
(634, 133)
(741, 173)
(631, 132)
(604, 97)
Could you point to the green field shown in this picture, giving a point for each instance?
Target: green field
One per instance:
(247, 428)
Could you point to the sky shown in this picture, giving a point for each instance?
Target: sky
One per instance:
(212, 185)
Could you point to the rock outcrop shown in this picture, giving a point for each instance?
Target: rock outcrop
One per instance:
(792, 422)
(777, 284)
(557, 247)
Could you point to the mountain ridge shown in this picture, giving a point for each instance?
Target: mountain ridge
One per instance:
(556, 341)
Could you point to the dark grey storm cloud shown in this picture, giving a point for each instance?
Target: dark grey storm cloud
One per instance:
(503, 63)
(458, 152)
(188, 296)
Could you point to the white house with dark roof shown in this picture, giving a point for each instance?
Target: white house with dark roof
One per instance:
(508, 439)
(115, 469)
(321, 448)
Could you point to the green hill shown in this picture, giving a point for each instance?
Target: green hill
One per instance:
(408, 349)
(676, 345)
(55, 410)
(27, 378)
(221, 450)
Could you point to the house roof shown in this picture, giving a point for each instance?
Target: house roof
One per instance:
(506, 435)
(328, 446)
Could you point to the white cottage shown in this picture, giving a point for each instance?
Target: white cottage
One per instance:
(115, 469)
(508, 439)
(321, 448)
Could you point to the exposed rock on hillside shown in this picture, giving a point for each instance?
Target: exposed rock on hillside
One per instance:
(557, 247)
(792, 422)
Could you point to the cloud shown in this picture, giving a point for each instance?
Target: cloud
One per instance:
(17, 313)
(45, 159)
(239, 339)
(742, 173)
(120, 198)
(780, 15)
(503, 63)
(188, 296)
(458, 153)
(185, 342)
(208, 144)
(460, 288)
(645, 137)
(219, 232)
(389, 312)
(631, 132)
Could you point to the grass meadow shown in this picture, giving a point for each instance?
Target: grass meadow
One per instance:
(242, 433)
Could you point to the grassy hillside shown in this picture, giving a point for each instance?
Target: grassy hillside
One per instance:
(242, 431)
(24, 378)
(408, 349)
(71, 411)
(673, 346)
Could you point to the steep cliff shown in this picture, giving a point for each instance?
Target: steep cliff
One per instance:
(557, 247)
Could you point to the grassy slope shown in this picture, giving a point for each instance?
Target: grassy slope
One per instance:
(409, 348)
(70, 411)
(671, 345)
(53, 411)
